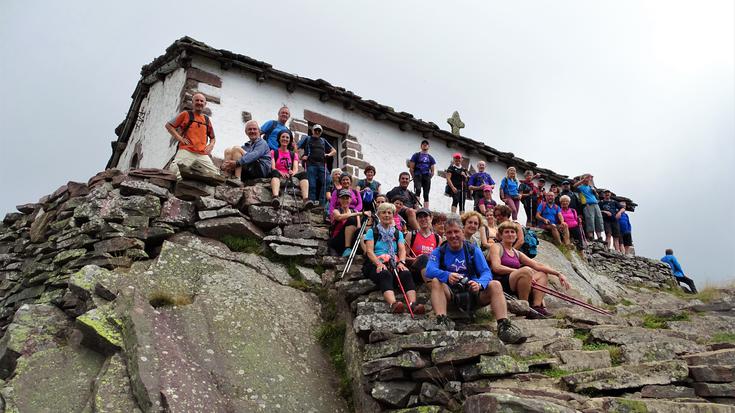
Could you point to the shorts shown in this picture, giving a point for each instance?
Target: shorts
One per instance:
(612, 227)
(627, 239)
(277, 174)
(505, 282)
(416, 268)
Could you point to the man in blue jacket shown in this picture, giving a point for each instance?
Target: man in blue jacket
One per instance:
(256, 162)
(273, 128)
(460, 263)
(678, 272)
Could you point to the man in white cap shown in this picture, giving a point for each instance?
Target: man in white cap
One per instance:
(314, 151)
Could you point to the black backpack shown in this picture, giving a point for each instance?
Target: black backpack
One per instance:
(207, 123)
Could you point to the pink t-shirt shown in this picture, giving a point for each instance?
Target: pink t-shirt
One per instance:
(570, 217)
(282, 163)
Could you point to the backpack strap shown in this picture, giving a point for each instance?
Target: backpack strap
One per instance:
(413, 237)
(470, 257)
(271, 128)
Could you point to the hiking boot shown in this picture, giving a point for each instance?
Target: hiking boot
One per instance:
(544, 311)
(509, 334)
(309, 205)
(537, 313)
(443, 323)
(417, 308)
(347, 252)
(275, 203)
(397, 308)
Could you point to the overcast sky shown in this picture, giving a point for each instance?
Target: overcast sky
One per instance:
(641, 93)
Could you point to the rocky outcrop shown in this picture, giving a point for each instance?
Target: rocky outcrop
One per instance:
(119, 295)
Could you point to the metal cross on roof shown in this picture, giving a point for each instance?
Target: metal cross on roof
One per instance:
(455, 122)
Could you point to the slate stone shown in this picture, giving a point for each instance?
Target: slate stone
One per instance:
(292, 250)
(436, 373)
(712, 358)
(461, 352)
(305, 231)
(219, 227)
(668, 349)
(502, 402)
(224, 212)
(111, 390)
(191, 190)
(68, 255)
(197, 172)
(27, 208)
(667, 392)
(715, 389)
(229, 194)
(392, 323)
(131, 187)
(432, 394)
(309, 275)
(26, 293)
(393, 393)
(117, 245)
(493, 366)
(408, 360)
(353, 289)
(177, 212)
(664, 406)
(100, 329)
(575, 360)
(291, 241)
(207, 202)
(628, 376)
(256, 195)
(269, 217)
(714, 374)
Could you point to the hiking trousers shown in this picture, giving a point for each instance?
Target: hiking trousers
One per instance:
(689, 282)
(317, 183)
(593, 219)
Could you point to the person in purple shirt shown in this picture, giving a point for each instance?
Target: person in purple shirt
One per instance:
(477, 182)
(345, 181)
(422, 167)
(548, 215)
(458, 262)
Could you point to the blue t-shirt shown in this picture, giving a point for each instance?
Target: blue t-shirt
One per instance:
(381, 247)
(272, 137)
(423, 162)
(480, 179)
(509, 187)
(624, 223)
(456, 261)
(674, 264)
(549, 211)
(586, 190)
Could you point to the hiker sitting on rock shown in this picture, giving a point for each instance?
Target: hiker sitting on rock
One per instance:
(192, 129)
(421, 243)
(345, 222)
(345, 184)
(385, 249)
(548, 215)
(573, 221)
(516, 272)
(457, 267)
(284, 167)
(410, 200)
(253, 159)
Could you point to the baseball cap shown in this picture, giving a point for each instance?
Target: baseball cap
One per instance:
(457, 155)
(487, 188)
(317, 126)
(566, 182)
(423, 211)
(344, 192)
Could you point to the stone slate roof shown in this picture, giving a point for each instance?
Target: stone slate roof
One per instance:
(180, 54)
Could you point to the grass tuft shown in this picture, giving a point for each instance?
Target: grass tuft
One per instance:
(243, 244)
(659, 322)
(555, 372)
(723, 337)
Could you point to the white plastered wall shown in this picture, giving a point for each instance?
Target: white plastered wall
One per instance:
(158, 107)
(384, 145)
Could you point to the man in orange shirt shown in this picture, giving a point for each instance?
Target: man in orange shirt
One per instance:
(194, 132)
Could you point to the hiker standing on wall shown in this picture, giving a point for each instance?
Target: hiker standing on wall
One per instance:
(422, 170)
(477, 183)
(457, 183)
(193, 130)
(314, 152)
(272, 129)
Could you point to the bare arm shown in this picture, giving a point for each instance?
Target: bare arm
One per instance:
(519, 241)
(495, 265)
(411, 167)
(484, 242)
(175, 134)
(528, 262)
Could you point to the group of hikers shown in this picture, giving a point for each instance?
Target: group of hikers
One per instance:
(478, 258)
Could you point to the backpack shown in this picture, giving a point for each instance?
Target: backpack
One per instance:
(367, 196)
(413, 238)
(207, 123)
(307, 145)
(530, 243)
(469, 253)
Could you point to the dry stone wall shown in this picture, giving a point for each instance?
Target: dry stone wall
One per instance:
(110, 289)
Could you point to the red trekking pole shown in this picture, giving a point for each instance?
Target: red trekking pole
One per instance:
(393, 265)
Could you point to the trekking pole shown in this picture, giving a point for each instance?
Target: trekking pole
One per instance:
(568, 298)
(584, 237)
(394, 266)
(511, 298)
(351, 258)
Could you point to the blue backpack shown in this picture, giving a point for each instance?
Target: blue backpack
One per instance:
(530, 243)
(367, 196)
